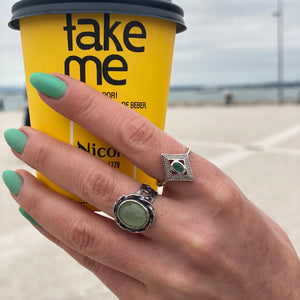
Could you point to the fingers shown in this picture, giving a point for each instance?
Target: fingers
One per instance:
(91, 180)
(85, 232)
(126, 131)
(98, 238)
(75, 170)
(122, 128)
(119, 283)
(95, 182)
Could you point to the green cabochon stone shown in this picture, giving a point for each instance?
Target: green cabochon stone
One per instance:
(178, 167)
(133, 215)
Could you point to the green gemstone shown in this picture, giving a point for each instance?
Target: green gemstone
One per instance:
(178, 167)
(133, 215)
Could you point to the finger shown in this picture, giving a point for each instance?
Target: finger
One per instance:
(120, 284)
(122, 128)
(76, 171)
(91, 235)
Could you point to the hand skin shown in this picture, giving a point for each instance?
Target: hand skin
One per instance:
(208, 240)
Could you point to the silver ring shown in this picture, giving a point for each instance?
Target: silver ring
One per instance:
(134, 212)
(177, 167)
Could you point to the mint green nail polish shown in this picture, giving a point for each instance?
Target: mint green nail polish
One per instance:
(28, 217)
(48, 84)
(16, 139)
(13, 181)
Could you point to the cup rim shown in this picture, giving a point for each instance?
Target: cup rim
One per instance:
(162, 9)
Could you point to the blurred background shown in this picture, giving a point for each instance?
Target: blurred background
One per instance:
(233, 47)
(232, 68)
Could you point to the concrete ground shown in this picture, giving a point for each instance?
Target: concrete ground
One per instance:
(258, 146)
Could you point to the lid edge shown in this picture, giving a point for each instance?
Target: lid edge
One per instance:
(174, 15)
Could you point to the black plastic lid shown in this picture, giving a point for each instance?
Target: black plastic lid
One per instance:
(162, 9)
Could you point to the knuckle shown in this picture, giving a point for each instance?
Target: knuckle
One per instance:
(198, 246)
(90, 264)
(136, 133)
(84, 109)
(227, 197)
(201, 244)
(181, 285)
(96, 186)
(33, 203)
(82, 236)
(41, 157)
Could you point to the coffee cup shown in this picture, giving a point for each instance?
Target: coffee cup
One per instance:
(122, 48)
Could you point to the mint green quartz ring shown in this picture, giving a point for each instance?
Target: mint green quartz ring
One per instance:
(134, 212)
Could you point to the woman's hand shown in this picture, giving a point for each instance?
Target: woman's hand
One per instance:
(208, 240)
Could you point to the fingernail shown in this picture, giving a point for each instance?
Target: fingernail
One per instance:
(48, 84)
(29, 217)
(13, 181)
(16, 139)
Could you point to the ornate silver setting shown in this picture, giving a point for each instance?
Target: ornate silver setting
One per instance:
(177, 167)
(141, 200)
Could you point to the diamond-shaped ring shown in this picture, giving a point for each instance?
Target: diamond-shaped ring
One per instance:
(177, 167)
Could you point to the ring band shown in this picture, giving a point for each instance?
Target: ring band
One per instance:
(177, 167)
(134, 212)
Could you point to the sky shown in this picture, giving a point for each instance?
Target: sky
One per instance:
(227, 42)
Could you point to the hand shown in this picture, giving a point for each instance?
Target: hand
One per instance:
(208, 240)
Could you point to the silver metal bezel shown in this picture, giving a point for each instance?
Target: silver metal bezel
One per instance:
(142, 201)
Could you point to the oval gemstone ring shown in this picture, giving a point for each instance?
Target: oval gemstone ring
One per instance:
(134, 212)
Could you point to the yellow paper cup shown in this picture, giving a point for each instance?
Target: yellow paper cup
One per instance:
(123, 49)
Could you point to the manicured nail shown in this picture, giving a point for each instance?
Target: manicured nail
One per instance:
(48, 84)
(16, 139)
(29, 217)
(13, 181)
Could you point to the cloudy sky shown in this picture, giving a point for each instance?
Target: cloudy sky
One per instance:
(228, 41)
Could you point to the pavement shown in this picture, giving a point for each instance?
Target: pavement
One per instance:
(258, 146)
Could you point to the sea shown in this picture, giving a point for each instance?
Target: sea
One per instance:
(239, 95)
(15, 98)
